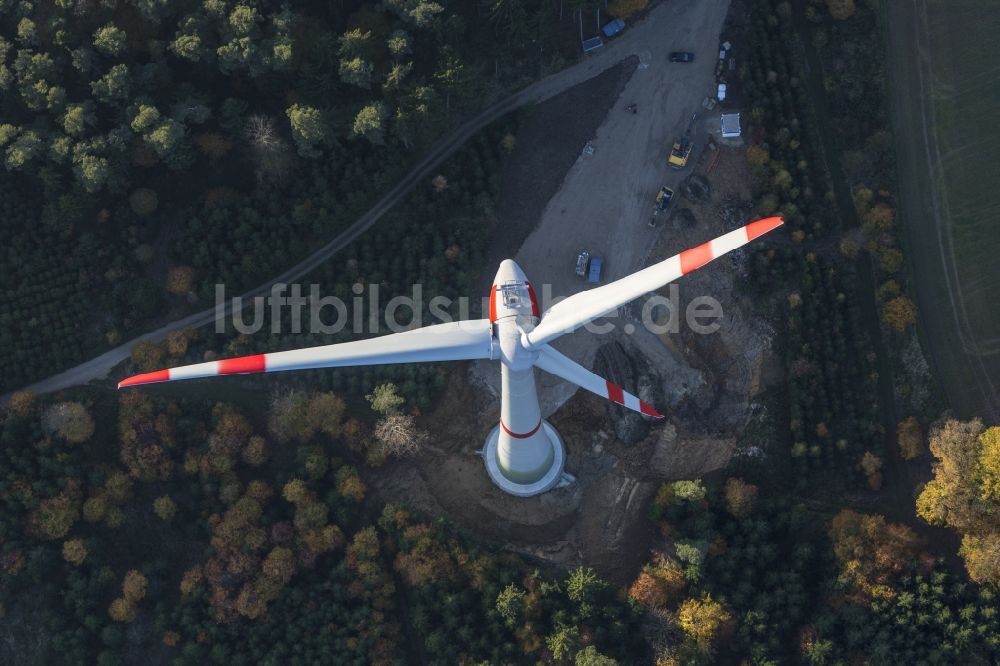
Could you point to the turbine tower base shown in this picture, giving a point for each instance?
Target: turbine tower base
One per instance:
(552, 478)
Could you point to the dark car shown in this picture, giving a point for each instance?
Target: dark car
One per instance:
(681, 56)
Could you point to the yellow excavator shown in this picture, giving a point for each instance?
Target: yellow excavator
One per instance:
(680, 153)
(681, 150)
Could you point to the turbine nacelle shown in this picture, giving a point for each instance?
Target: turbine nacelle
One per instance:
(514, 312)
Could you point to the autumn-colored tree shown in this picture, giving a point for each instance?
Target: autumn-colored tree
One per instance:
(231, 434)
(910, 438)
(989, 465)
(95, 509)
(849, 247)
(122, 611)
(191, 580)
(145, 436)
(880, 218)
(165, 508)
(134, 586)
(658, 584)
(982, 557)
(841, 9)
(757, 155)
(953, 496)
(326, 413)
(700, 619)
(741, 498)
(259, 490)
(56, 515)
(74, 551)
(890, 259)
(871, 551)
(70, 420)
(298, 416)
(180, 280)
(279, 564)
(118, 487)
(177, 341)
(871, 465)
(21, 403)
(296, 491)
(147, 356)
(350, 485)
(965, 492)
(899, 314)
(256, 451)
(649, 591)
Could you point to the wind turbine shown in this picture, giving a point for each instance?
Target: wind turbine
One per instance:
(524, 455)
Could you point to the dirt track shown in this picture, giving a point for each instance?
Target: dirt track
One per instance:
(964, 353)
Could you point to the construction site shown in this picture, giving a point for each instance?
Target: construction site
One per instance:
(638, 184)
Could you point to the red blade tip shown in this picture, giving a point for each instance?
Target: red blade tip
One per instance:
(761, 227)
(145, 378)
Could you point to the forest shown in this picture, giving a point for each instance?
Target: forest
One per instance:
(130, 128)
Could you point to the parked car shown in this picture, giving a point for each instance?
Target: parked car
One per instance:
(582, 260)
(613, 28)
(681, 56)
(594, 277)
(722, 92)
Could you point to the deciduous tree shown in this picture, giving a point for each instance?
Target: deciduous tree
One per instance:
(70, 420)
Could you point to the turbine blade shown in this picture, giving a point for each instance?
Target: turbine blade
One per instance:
(579, 309)
(455, 341)
(559, 365)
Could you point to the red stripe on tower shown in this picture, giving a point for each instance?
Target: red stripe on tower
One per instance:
(615, 393)
(696, 257)
(761, 227)
(242, 365)
(493, 304)
(535, 312)
(521, 435)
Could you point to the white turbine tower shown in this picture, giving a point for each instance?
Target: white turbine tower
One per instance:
(524, 455)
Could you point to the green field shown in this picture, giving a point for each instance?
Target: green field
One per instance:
(945, 80)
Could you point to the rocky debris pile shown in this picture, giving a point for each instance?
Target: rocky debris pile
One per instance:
(618, 365)
(697, 188)
(734, 211)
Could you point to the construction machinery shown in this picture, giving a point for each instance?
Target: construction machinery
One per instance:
(681, 150)
(663, 198)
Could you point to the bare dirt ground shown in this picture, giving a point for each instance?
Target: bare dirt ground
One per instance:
(941, 89)
(706, 382)
(561, 126)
